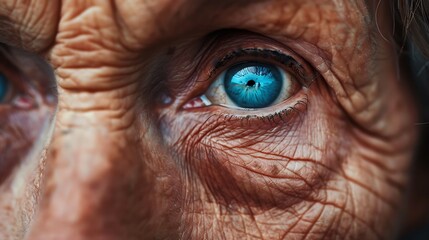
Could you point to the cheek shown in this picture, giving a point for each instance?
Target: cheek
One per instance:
(275, 162)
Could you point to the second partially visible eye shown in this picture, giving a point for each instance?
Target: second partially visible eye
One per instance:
(251, 85)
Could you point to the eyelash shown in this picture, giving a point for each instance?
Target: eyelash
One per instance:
(272, 118)
(273, 55)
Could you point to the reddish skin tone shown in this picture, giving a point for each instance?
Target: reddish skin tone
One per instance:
(120, 164)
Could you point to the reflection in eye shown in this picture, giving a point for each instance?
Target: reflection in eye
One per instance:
(4, 86)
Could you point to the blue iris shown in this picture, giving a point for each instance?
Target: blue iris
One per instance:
(4, 85)
(253, 84)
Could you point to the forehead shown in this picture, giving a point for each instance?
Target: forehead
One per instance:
(35, 24)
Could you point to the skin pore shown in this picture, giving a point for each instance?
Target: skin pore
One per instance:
(130, 151)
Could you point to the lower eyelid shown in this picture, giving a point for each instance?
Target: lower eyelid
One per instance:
(273, 118)
(260, 119)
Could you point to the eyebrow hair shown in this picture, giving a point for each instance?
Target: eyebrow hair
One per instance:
(33, 31)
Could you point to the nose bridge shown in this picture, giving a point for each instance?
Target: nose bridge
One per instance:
(90, 183)
(85, 166)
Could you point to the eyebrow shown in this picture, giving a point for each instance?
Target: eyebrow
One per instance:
(33, 32)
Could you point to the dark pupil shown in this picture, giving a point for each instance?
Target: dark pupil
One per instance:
(251, 83)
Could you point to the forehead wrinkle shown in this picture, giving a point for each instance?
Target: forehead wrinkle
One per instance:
(37, 20)
(143, 28)
(153, 22)
(19, 22)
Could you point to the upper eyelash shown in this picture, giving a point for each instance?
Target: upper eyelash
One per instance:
(255, 52)
(266, 53)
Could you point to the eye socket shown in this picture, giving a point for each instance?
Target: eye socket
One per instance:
(27, 102)
(251, 85)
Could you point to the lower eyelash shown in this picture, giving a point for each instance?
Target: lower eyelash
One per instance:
(273, 119)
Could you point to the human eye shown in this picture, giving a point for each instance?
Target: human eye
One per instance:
(253, 79)
(27, 100)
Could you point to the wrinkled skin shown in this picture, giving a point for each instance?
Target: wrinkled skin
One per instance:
(124, 159)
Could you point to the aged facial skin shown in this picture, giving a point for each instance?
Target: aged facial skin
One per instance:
(133, 151)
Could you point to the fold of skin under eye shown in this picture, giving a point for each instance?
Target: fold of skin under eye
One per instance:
(248, 161)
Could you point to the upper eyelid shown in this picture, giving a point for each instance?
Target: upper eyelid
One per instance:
(254, 52)
(250, 43)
